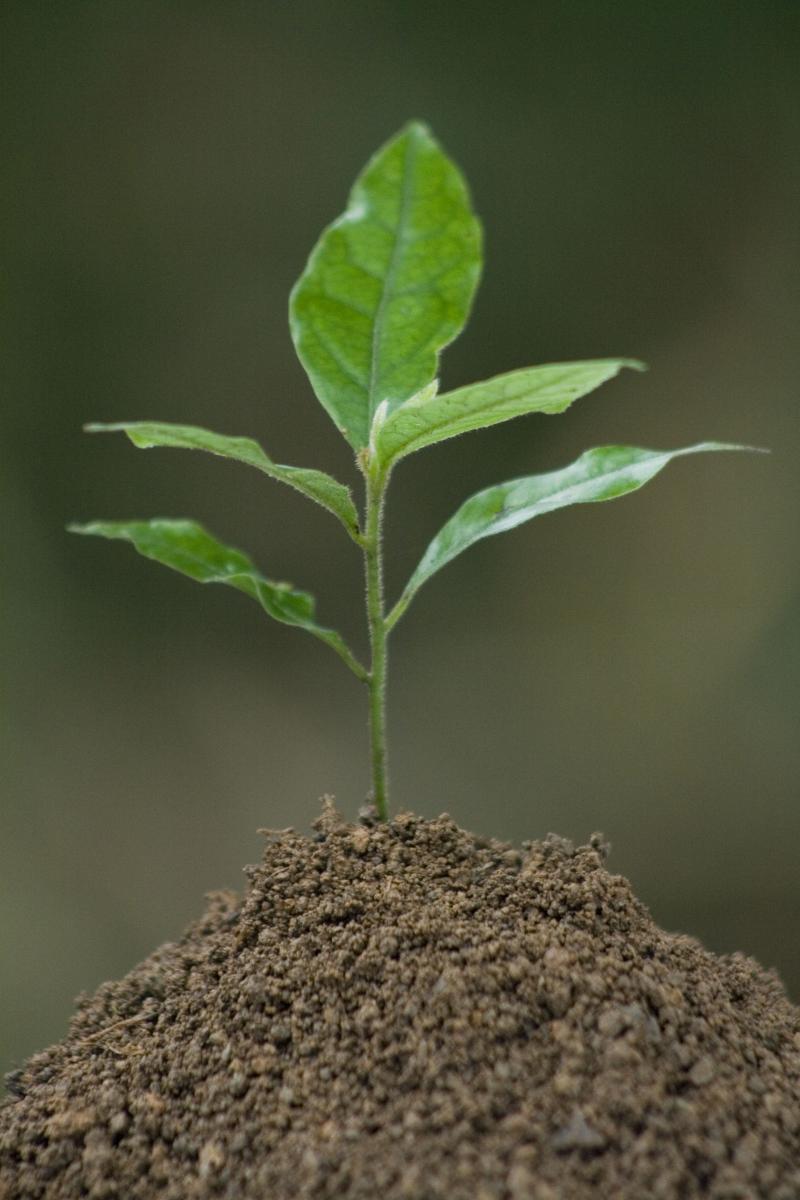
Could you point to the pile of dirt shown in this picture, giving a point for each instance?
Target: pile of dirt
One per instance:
(409, 1011)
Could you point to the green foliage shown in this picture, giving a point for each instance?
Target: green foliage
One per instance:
(387, 287)
(389, 283)
(600, 474)
(551, 389)
(317, 485)
(189, 548)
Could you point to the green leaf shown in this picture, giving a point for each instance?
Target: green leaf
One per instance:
(187, 547)
(389, 283)
(600, 474)
(315, 484)
(428, 419)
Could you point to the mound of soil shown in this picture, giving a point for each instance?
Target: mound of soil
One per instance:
(409, 1011)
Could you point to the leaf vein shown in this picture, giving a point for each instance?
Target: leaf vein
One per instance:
(343, 366)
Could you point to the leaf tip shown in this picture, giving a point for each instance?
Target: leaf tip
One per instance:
(740, 446)
(416, 127)
(106, 427)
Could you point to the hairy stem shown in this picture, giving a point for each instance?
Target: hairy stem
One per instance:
(373, 553)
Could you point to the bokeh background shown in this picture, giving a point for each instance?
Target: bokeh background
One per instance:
(631, 667)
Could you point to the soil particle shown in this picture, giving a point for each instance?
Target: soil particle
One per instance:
(411, 1012)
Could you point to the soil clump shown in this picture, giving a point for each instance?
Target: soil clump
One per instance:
(411, 1012)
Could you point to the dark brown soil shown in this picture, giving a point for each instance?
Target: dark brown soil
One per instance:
(410, 1011)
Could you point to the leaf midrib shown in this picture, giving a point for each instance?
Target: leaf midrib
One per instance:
(388, 281)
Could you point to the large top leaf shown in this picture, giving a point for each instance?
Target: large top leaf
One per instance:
(389, 284)
(600, 474)
(431, 418)
(317, 485)
(187, 547)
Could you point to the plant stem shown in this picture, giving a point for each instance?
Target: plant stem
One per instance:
(373, 553)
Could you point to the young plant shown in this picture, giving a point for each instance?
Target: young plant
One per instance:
(387, 287)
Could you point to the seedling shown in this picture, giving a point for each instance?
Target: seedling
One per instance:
(387, 287)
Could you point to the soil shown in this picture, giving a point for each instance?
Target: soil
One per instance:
(410, 1011)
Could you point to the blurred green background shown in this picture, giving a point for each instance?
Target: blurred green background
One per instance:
(631, 667)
